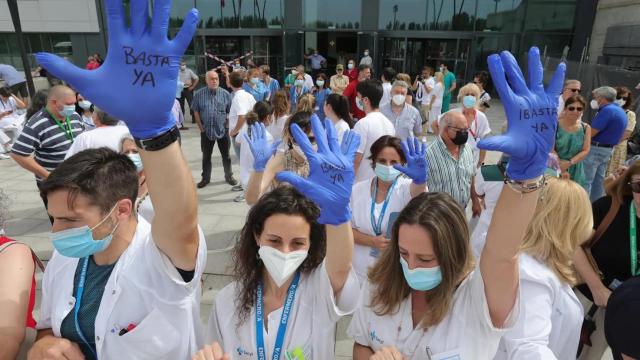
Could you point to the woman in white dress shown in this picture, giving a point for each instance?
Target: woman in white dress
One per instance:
(436, 101)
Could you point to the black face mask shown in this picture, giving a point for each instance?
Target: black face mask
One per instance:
(461, 138)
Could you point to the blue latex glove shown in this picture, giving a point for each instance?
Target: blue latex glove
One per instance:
(137, 82)
(331, 172)
(417, 165)
(531, 114)
(260, 148)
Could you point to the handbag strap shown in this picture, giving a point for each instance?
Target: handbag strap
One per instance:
(36, 259)
(604, 225)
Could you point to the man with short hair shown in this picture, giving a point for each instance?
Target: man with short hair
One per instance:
(339, 81)
(272, 84)
(316, 61)
(211, 106)
(254, 86)
(14, 80)
(364, 73)
(449, 86)
(241, 104)
(366, 59)
(452, 166)
(370, 127)
(189, 80)
(48, 134)
(108, 133)
(607, 128)
(572, 87)
(404, 117)
(423, 86)
(387, 77)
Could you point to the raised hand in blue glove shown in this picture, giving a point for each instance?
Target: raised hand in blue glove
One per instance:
(331, 172)
(531, 114)
(137, 82)
(260, 148)
(417, 165)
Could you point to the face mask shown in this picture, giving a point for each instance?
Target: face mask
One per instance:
(594, 104)
(68, 110)
(137, 161)
(299, 83)
(441, 69)
(280, 265)
(461, 138)
(294, 72)
(620, 102)
(366, 53)
(349, 66)
(398, 99)
(386, 173)
(255, 80)
(359, 104)
(183, 67)
(469, 101)
(320, 83)
(84, 104)
(421, 279)
(79, 242)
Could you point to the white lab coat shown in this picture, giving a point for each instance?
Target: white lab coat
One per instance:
(491, 191)
(550, 318)
(467, 332)
(312, 320)
(144, 289)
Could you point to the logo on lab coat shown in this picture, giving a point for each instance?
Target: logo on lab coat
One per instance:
(375, 337)
(243, 352)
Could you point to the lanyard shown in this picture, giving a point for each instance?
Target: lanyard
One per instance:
(68, 131)
(76, 310)
(633, 240)
(377, 225)
(284, 319)
(475, 121)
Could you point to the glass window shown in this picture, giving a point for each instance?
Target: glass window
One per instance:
(451, 14)
(500, 15)
(236, 13)
(421, 52)
(393, 52)
(332, 14)
(487, 45)
(268, 50)
(550, 16)
(550, 45)
(402, 14)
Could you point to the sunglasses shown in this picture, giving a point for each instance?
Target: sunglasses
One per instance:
(573, 108)
(625, 98)
(635, 186)
(575, 90)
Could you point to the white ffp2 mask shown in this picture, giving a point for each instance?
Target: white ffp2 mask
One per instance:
(280, 265)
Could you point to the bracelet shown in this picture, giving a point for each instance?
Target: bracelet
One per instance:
(526, 187)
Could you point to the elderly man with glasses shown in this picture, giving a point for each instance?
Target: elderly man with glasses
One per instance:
(571, 88)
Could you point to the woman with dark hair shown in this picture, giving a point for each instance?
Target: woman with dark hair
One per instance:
(281, 109)
(321, 91)
(297, 90)
(573, 140)
(624, 98)
(38, 101)
(292, 262)
(376, 202)
(289, 157)
(425, 298)
(336, 109)
(85, 108)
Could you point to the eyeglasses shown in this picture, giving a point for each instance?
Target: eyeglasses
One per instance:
(635, 186)
(573, 108)
(575, 90)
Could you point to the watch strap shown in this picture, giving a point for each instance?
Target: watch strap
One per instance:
(159, 142)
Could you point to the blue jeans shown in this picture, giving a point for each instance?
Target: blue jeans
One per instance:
(595, 167)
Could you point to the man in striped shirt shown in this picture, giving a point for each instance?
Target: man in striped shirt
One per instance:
(48, 134)
(451, 162)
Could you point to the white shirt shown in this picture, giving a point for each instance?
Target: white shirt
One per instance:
(246, 156)
(478, 130)
(560, 104)
(361, 197)
(550, 318)
(144, 289)
(241, 104)
(491, 191)
(10, 104)
(425, 98)
(438, 91)
(312, 321)
(466, 331)
(386, 94)
(370, 128)
(308, 82)
(145, 209)
(276, 128)
(105, 136)
(341, 127)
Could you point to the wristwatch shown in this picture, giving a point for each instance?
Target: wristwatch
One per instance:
(159, 142)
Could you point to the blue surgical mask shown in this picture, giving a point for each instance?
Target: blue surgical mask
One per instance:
(299, 83)
(137, 161)
(320, 83)
(469, 101)
(359, 103)
(255, 81)
(79, 242)
(68, 110)
(386, 173)
(421, 279)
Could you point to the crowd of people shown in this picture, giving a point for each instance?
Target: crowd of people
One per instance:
(434, 254)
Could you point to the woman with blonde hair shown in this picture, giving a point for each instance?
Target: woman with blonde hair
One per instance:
(425, 298)
(469, 97)
(306, 103)
(551, 317)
